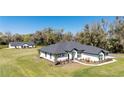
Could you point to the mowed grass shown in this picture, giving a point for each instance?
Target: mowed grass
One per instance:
(115, 69)
(26, 62)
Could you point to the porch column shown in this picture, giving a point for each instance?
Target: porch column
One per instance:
(56, 56)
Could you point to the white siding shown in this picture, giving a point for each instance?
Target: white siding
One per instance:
(101, 53)
(83, 56)
(11, 46)
(18, 46)
(75, 53)
(89, 56)
(52, 57)
(14, 46)
(47, 56)
(30, 46)
(70, 55)
(21, 46)
(62, 58)
(25, 45)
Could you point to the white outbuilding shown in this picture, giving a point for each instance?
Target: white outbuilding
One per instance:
(21, 45)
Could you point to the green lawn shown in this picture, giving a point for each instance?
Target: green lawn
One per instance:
(26, 62)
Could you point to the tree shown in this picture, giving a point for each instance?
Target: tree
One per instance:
(116, 35)
(84, 36)
(27, 37)
(93, 35)
(68, 36)
(8, 36)
(109, 36)
(17, 38)
(39, 38)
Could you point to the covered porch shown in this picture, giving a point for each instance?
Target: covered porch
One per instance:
(69, 56)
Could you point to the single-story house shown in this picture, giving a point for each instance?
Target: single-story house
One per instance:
(71, 50)
(21, 45)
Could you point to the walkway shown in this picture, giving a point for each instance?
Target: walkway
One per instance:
(95, 64)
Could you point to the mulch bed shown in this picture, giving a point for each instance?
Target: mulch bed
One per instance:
(63, 63)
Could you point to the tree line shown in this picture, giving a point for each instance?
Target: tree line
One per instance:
(45, 36)
(103, 34)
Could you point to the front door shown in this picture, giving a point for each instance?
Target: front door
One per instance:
(68, 56)
(73, 55)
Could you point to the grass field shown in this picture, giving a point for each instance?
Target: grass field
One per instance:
(3, 46)
(26, 62)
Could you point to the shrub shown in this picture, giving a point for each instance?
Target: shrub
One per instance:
(3, 46)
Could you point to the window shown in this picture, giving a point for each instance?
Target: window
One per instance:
(100, 57)
(50, 56)
(58, 55)
(79, 54)
(62, 55)
(65, 55)
(45, 54)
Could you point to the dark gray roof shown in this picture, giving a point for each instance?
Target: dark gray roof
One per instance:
(21, 43)
(30, 43)
(62, 47)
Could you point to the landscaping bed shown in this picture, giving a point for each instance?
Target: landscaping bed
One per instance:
(95, 62)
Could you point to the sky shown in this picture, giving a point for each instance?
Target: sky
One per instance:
(30, 24)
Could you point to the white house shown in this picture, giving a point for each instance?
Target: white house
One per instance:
(21, 45)
(63, 51)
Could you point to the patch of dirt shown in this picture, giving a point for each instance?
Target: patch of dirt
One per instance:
(72, 66)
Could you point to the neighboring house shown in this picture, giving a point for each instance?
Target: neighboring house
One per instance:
(72, 50)
(21, 45)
